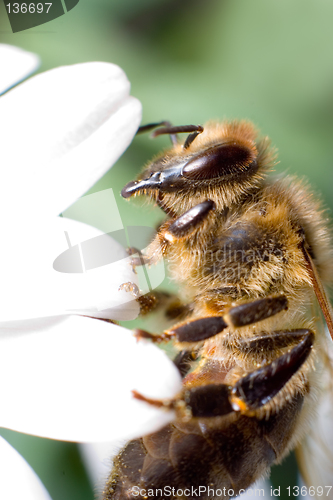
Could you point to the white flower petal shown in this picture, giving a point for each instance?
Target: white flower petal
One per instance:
(72, 380)
(73, 124)
(40, 253)
(18, 480)
(15, 65)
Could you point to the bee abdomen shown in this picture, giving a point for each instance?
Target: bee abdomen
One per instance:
(187, 456)
(249, 446)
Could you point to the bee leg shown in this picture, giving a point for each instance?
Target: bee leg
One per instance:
(172, 306)
(245, 314)
(259, 387)
(252, 391)
(170, 303)
(188, 222)
(204, 328)
(176, 229)
(269, 342)
(157, 339)
(140, 260)
(148, 302)
(248, 394)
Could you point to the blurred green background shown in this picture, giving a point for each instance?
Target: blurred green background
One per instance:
(190, 61)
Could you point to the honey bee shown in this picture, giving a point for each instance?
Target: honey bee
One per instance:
(252, 255)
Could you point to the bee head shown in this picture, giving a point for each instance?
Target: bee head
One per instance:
(222, 161)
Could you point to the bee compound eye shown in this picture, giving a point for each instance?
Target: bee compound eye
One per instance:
(226, 160)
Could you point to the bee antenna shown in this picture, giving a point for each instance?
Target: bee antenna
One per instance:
(151, 126)
(167, 128)
(190, 138)
(166, 124)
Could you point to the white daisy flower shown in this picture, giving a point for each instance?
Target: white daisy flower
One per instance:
(66, 376)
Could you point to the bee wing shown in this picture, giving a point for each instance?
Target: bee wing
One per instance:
(319, 291)
(315, 453)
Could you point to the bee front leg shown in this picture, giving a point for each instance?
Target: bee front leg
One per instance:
(174, 230)
(184, 225)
